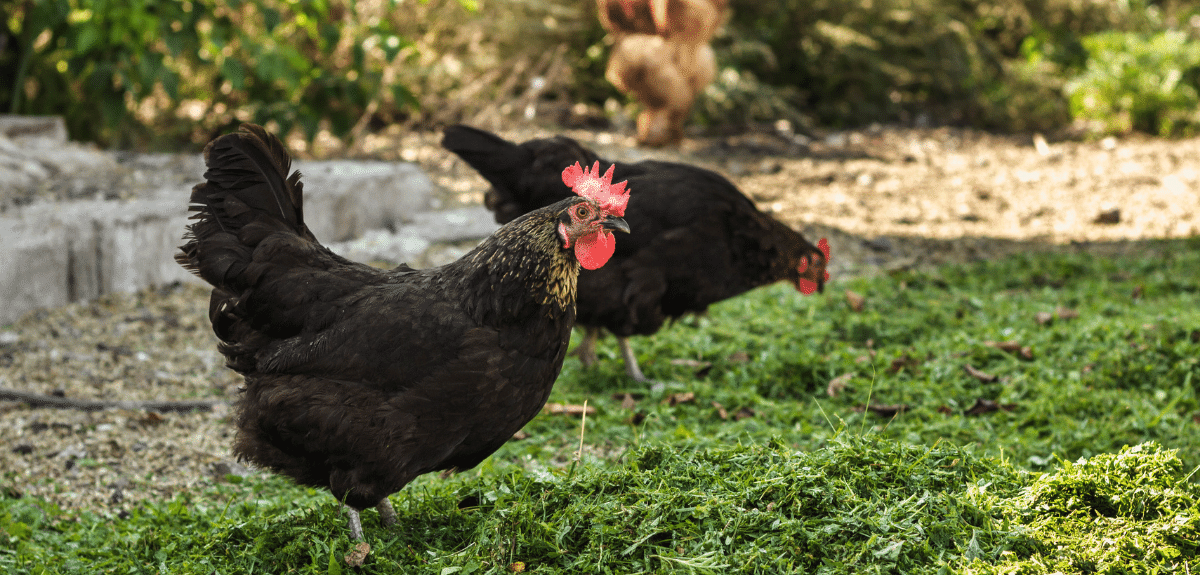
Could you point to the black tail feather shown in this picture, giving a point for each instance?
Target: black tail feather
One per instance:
(524, 176)
(499, 161)
(248, 196)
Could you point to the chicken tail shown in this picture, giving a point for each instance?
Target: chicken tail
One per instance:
(491, 155)
(499, 161)
(525, 176)
(248, 196)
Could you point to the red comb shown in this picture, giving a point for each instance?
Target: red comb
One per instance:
(600, 189)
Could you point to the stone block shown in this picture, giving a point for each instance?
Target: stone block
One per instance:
(343, 199)
(53, 129)
(33, 267)
(53, 253)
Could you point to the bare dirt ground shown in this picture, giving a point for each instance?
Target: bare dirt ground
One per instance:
(886, 198)
(891, 197)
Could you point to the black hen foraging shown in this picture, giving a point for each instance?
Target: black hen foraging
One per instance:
(696, 239)
(357, 379)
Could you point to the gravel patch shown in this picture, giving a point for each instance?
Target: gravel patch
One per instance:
(155, 344)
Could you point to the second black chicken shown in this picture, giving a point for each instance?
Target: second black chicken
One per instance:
(696, 239)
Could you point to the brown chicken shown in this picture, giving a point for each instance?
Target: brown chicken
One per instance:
(357, 379)
(696, 239)
(661, 57)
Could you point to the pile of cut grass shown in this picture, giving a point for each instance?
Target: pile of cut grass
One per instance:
(857, 505)
(741, 461)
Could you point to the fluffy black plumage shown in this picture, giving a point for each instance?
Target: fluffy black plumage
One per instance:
(358, 380)
(695, 240)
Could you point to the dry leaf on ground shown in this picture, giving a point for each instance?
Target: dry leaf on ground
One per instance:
(356, 557)
(678, 398)
(1025, 352)
(743, 413)
(838, 384)
(885, 410)
(981, 376)
(855, 301)
(702, 367)
(983, 406)
(1045, 317)
(904, 361)
(628, 402)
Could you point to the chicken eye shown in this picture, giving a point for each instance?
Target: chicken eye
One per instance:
(581, 212)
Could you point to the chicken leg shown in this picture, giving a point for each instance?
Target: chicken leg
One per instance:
(387, 516)
(631, 364)
(586, 350)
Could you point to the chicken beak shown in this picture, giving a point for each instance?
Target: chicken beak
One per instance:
(615, 223)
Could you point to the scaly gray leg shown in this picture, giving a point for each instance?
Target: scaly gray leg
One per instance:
(356, 533)
(631, 364)
(586, 350)
(386, 514)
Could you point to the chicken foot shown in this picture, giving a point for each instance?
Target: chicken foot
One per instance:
(387, 516)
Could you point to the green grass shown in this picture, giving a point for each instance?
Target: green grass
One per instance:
(808, 483)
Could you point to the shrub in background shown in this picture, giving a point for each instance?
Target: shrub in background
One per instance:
(139, 71)
(1149, 83)
(161, 73)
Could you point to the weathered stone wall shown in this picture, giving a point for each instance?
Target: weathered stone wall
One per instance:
(78, 223)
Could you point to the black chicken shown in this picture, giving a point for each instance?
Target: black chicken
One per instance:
(357, 379)
(696, 239)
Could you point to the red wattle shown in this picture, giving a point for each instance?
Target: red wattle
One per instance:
(807, 286)
(594, 250)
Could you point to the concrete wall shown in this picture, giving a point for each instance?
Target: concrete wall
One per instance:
(55, 253)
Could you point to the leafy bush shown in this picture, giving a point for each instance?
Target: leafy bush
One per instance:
(1139, 82)
(995, 64)
(160, 73)
(103, 64)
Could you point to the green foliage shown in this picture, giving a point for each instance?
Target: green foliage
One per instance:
(873, 505)
(1139, 82)
(120, 71)
(159, 73)
(995, 64)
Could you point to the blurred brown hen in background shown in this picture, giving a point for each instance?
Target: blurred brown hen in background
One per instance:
(661, 57)
(358, 379)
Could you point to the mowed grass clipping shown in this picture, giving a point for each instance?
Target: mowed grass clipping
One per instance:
(1073, 452)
